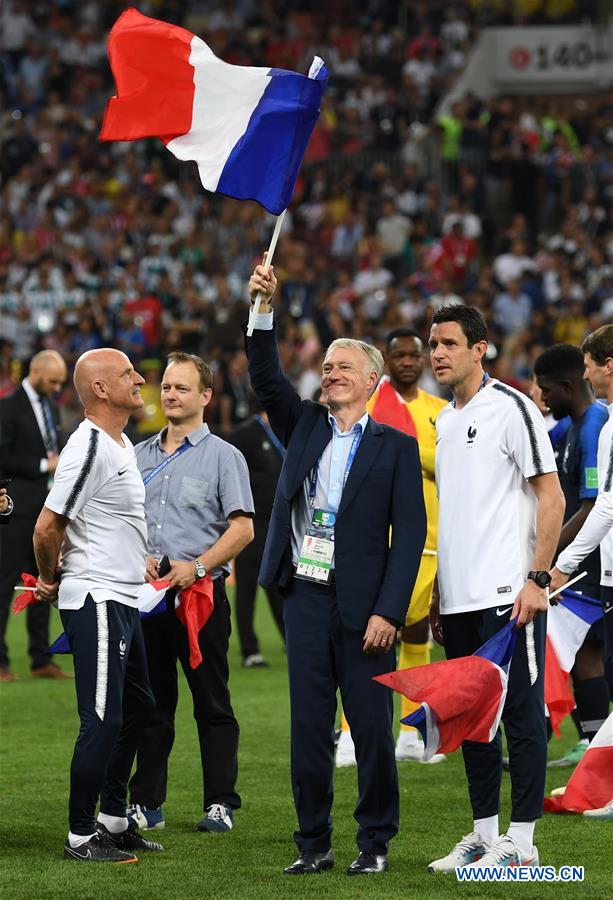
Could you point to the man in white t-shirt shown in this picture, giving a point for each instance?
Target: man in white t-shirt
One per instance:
(500, 515)
(94, 517)
(597, 529)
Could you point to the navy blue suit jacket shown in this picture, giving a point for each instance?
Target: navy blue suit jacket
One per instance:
(383, 491)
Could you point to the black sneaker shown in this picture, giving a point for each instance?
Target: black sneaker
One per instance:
(98, 849)
(129, 840)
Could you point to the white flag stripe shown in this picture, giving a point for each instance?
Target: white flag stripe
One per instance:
(214, 133)
(566, 631)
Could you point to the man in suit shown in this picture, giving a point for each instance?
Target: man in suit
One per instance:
(344, 483)
(264, 454)
(30, 442)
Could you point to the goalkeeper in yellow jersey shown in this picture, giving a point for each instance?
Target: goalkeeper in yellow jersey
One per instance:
(399, 402)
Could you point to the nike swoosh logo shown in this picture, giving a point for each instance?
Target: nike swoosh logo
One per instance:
(123, 471)
(503, 612)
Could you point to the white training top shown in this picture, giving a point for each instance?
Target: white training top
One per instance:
(485, 453)
(598, 527)
(99, 488)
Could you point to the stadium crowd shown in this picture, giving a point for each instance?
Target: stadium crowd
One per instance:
(504, 203)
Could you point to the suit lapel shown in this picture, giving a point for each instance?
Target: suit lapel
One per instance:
(318, 439)
(364, 458)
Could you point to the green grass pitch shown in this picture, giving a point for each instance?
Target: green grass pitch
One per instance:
(38, 725)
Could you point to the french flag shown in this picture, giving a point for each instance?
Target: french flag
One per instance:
(151, 602)
(461, 699)
(591, 784)
(246, 127)
(567, 625)
(193, 607)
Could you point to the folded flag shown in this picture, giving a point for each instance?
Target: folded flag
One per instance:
(388, 408)
(27, 597)
(567, 625)
(461, 699)
(591, 784)
(247, 127)
(193, 608)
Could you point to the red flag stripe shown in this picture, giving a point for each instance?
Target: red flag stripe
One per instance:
(154, 79)
(390, 409)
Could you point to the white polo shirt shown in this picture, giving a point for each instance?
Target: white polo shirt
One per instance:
(99, 488)
(598, 527)
(485, 453)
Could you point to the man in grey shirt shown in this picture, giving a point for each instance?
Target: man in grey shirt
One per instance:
(199, 512)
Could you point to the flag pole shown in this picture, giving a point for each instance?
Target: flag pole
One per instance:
(267, 263)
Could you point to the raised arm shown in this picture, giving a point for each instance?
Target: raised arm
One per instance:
(268, 380)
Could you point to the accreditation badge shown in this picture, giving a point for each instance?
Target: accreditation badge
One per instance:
(317, 553)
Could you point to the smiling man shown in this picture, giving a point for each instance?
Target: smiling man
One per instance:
(345, 481)
(199, 512)
(94, 516)
(500, 514)
(400, 402)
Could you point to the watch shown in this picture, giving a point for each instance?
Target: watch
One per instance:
(199, 569)
(542, 579)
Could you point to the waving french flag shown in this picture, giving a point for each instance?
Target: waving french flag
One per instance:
(591, 784)
(567, 625)
(247, 127)
(461, 699)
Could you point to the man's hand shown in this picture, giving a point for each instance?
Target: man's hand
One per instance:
(264, 282)
(46, 592)
(151, 573)
(436, 626)
(530, 601)
(379, 636)
(53, 461)
(558, 580)
(181, 574)
(4, 501)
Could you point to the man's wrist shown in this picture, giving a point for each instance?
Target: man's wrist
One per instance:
(9, 508)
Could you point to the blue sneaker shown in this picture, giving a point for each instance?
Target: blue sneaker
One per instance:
(218, 818)
(145, 817)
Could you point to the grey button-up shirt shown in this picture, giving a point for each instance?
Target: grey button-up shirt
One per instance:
(187, 504)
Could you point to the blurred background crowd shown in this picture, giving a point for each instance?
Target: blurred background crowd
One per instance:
(405, 200)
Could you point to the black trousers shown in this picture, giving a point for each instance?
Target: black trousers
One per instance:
(523, 718)
(17, 556)
(246, 569)
(166, 642)
(115, 703)
(322, 656)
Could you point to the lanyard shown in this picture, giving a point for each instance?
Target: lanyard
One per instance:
(273, 437)
(182, 449)
(484, 381)
(354, 449)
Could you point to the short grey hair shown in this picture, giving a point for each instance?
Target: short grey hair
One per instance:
(374, 356)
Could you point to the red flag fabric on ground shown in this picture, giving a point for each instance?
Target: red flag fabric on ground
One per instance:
(390, 409)
(591, 784)
(27, 597)
(194, 610)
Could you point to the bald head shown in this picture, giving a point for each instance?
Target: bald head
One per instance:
(47, 372)
(106, 378)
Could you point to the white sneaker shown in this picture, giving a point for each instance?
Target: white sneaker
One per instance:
(503, 853)
(411, 747)
(470, 849)
(605, 812)
(345, 751)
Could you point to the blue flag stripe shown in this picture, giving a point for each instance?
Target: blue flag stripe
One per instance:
(265, 162)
